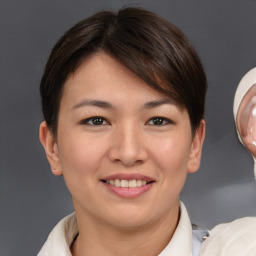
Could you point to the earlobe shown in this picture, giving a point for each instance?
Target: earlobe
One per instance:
(51, 148)
(196, 148)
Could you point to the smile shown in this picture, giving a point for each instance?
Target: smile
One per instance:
(127, 183)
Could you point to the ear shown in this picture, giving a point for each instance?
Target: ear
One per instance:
(51, 148)
(196, 148)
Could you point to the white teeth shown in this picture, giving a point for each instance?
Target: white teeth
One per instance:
(126, 183)
(132, 184)
(117, 183)
(139, 183)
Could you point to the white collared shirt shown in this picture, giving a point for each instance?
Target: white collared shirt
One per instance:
(62, 236)
(237, 238)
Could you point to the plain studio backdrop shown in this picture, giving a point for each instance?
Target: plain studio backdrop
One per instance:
(32, 200)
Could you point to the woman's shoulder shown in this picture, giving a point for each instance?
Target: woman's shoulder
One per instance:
(237, 238)
(61, 237)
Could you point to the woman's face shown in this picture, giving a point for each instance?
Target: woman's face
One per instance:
(124, 149)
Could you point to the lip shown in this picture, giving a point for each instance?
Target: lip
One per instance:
(128, 193)
(128, 176)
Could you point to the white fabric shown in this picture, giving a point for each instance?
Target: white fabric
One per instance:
(181, 242)
(60, 239)
(237, 238)
(62, 236)
(245, 84)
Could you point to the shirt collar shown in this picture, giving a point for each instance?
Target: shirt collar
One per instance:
(62, 236)
(181, 242)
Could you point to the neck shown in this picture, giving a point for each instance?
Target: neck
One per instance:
(97, 238)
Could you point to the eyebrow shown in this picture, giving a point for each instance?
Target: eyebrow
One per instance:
(107, 105)
(95, 103)
(157, 103)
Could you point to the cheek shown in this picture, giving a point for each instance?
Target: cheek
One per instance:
(172, 154)
(170, 158)
(81, 155)
(80, 159)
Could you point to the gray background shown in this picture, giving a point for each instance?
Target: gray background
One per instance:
(32, 200)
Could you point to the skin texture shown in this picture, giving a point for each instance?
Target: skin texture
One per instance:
(128, 141)
(246, 121)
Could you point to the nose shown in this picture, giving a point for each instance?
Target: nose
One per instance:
(128, 145)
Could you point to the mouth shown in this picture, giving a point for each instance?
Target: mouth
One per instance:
(127, 183)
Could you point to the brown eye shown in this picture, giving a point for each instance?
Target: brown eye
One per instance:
(159, 121)
(96, 120)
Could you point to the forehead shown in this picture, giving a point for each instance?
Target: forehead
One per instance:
(103, 75)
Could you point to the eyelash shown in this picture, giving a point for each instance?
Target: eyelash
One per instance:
(94, 119)
(162, 120)
(102, 121)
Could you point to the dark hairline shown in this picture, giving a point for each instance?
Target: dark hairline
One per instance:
(157, 79)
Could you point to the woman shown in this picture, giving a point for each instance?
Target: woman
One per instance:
(123, 99)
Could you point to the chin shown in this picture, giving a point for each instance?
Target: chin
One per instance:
(132, 218)
(130, 224)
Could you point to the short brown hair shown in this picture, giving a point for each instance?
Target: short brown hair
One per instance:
(150, 46)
